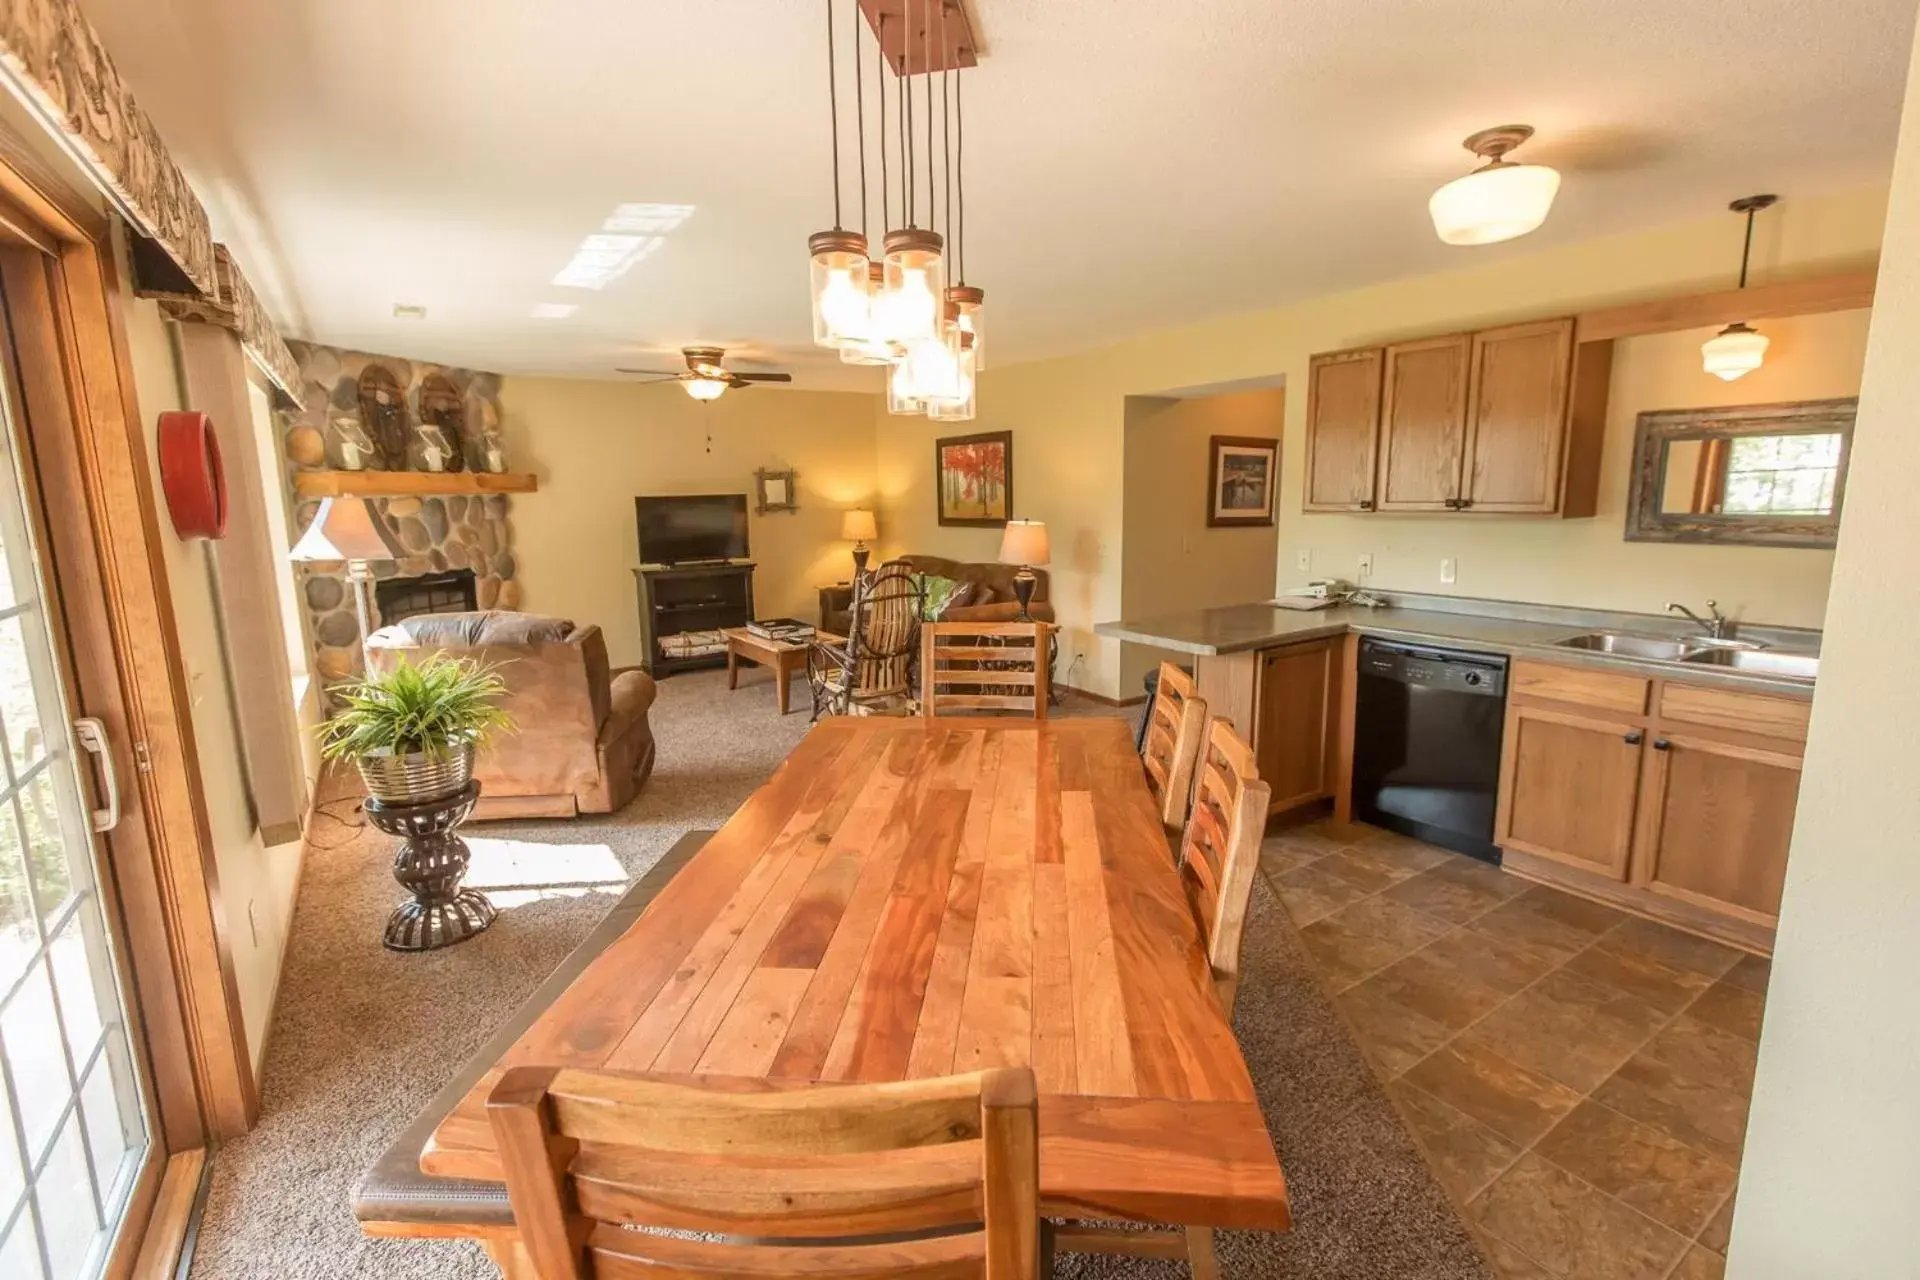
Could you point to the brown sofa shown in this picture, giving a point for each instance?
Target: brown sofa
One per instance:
(583, 744)
(990, 600)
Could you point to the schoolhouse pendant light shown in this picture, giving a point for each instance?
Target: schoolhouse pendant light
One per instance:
(1498, 201)
(1738, 349)
(839, 256)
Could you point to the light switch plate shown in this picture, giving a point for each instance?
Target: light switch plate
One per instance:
(1366, 564)
(1447, 568)
(1303, 561)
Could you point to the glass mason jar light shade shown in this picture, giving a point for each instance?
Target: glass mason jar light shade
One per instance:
(869, 345)
(902, 395)
(839, 277)
(1494, 203)
(965, 307)
(916, 287)
(1733, 352)
(958, 407)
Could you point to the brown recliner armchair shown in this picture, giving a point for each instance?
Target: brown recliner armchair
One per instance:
(991, 598)
(583, 745)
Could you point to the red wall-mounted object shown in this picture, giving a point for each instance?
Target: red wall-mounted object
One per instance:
(191, 475)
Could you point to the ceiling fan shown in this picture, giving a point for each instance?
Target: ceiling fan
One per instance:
(706, 377)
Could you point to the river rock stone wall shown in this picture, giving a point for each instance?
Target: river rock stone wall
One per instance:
(434, 533)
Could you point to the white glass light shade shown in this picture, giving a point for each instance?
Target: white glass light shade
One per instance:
(966, 303)
(1495, 203)
(867, 345)
(839, 277)
(1733, 352)
(913, 303)
(705, 388)
(343, 529)
(958, 407)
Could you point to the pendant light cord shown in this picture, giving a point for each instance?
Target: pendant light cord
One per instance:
(833, 116)
(907, 166)
(960, 169)
(860, 121)
(946, 137)
(926, 67)
(880, 94)
(1746, 250)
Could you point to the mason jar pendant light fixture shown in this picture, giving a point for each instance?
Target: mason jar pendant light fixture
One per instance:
(1738, 349)
(1498, 201)
(839, 256)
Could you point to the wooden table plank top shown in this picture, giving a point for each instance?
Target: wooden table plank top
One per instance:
(909, 898)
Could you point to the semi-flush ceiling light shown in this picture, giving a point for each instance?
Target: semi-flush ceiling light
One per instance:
(1499, 200)
(1738, 349)
(705, 388)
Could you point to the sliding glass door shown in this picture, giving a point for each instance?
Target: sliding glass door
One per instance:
(74, 1133)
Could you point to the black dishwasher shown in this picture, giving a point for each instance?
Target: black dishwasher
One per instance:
(1426, 751)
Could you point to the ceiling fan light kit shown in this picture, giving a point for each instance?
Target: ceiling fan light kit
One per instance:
(1500, 200)
(1739, 349)
(912, 311)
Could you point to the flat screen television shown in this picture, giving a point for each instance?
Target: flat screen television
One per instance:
(674, 530)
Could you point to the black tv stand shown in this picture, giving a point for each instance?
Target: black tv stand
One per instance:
(691, 596)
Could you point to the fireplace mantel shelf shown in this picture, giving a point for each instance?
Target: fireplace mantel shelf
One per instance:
(405, 484)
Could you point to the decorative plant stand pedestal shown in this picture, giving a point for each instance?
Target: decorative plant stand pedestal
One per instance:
(430, 864)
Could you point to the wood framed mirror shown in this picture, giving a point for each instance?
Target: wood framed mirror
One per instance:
(1770, 475)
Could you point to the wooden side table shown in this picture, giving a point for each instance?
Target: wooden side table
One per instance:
(784, 659)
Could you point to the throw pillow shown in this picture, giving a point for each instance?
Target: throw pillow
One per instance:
(939, 594)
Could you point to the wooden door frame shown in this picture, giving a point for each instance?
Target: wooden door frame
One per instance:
(87, 449)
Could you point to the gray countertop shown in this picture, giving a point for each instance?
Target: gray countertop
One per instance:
(1240, 628)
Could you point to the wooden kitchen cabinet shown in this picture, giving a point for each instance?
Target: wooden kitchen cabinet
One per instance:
(1569, 786)
(1286, 701)
(1292, 736)
(1502, 421)
(1516, 422)
(1343, 429)
(1669, 799)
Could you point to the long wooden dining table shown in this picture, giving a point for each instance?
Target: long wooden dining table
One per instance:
(908, 898)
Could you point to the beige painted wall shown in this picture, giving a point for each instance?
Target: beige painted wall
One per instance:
(1831, 1163)
(597, 445)
(1067, 414)
(1170, 558)
(1588, 562)
(257, 883)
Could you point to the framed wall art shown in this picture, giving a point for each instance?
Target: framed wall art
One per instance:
(973, 479)
(1243, 473)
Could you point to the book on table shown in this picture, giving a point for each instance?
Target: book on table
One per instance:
(781, 630)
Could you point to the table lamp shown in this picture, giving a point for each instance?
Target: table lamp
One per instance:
(346, 529)
(1024, 543)
(857, 526)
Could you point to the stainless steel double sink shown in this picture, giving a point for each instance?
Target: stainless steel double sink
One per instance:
(1704, 651)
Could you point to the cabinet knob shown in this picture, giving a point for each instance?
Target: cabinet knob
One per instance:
(1465, 503)
(1366, 504)
(1635, 738)
(1661, 744)
(1453, 504)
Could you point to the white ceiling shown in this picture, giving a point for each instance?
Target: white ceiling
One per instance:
(1131, 163)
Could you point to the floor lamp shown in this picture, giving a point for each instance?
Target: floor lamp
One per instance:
(346, 529)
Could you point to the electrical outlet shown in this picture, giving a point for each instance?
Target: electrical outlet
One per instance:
(1366, 564)
(1447, 567)
(1303, 561)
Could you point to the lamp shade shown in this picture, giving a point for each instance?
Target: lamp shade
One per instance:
(344, 529)
(1495, 203)
(858, 525)
(1025, 542)
(1735, 351)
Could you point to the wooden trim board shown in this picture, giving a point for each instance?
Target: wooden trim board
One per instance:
(1845, 292)
(399, 484)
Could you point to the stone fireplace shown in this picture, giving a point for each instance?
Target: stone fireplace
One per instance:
(451, 534)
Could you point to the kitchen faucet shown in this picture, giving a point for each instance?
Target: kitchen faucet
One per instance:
(1717, 625)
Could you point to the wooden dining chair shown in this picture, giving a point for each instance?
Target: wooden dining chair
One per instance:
(931, 1178)
(1217, 863)
(1221, 851)
(1176, 727)
(970, 667)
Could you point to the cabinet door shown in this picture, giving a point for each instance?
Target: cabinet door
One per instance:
(1343, 429)
(1423, 424)
(1716, 823)
(1517, 422)
(1568, 785)
(1297, 685)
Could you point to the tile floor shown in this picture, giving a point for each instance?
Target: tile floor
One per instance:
(1578, 1077)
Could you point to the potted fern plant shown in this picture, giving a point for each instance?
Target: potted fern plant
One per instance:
(413, 729)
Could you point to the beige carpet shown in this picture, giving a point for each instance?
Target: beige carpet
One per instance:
(362, 1037)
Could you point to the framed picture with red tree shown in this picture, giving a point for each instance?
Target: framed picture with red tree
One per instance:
(973, 479)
